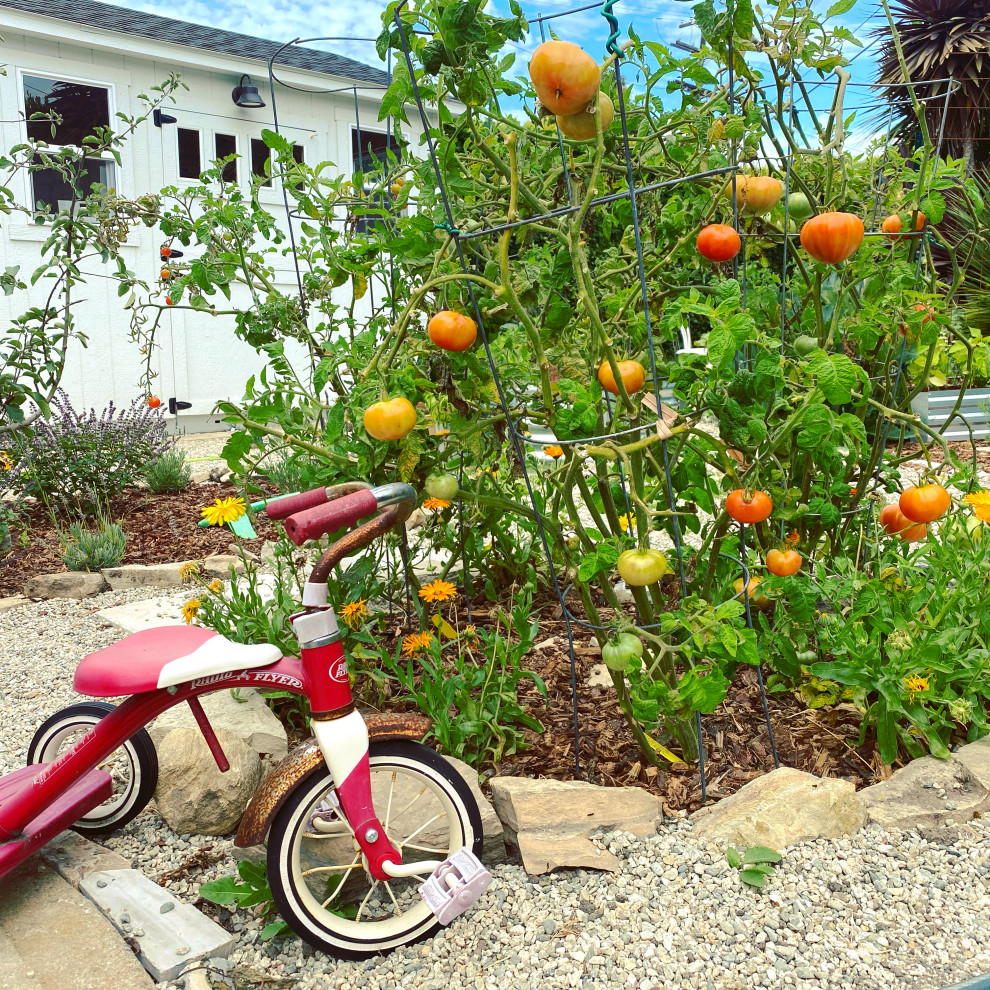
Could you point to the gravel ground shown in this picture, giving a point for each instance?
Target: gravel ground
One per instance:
(879, 910)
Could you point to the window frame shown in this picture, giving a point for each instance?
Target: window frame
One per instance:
(363, 223)
(178, 161)
(70, 77)
(238, 150)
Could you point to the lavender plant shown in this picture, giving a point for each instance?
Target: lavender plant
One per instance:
(77, 463)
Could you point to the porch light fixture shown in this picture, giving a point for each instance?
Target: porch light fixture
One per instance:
(245, 94)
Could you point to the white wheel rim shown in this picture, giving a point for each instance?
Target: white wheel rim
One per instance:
(429, 810)
(122, 756)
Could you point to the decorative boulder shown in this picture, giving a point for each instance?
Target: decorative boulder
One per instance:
(783, 808)
(193, 795)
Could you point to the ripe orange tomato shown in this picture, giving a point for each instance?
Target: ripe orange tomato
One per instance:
(783, 562)
(154, 402)
(918, 308)
(166, 251)
(390, 419)
(925, 504)
(748, 506)
(897, 524)
(632, 373)
(580, 126)
(756, 194)
(756, 600)
(565, 77)
(452, 331)
(893, 225)
(168, 301)
(165, 274)
(718, 242)
(832, 237)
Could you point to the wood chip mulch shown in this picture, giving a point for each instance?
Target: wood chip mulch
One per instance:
(160, 529)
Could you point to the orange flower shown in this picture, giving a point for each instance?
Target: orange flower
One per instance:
(436, 503)
(553, 450)
(416, 643)
(793, 537)
(437, 591)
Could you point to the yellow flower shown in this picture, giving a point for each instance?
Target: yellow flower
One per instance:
(553, 450)
(224, 510)
(216, 586)
(437, 591)
(5, 462)
(189, 570)
(416, 643)
(436, 503)
(470, 634)
(354, 613)
(626, 520)
(980, 501)
(915, 685)
(190, 610)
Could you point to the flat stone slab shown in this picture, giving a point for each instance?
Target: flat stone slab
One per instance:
(220, 565)
(54, 938)
(14, 601)
(783, 808)
(144, 576)
(246, 716)
(148, 614)
(549, 822)
(66, 584)
(930, 793)
(168, 934)
(74, 857)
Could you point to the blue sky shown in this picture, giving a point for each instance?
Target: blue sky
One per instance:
(657, 20)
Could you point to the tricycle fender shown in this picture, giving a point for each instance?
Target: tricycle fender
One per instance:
(302, 761)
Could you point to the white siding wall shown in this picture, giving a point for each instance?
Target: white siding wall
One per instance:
(200, 360)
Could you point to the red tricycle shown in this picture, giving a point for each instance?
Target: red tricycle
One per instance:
(373, 839)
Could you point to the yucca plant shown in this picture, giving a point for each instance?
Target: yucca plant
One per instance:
(940, 39)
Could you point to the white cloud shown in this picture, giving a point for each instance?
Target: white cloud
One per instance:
(281, 20)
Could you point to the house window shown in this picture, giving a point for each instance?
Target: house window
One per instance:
(190, 161)
(369, 153)
(225, 145)
(73, 111)
(260, 154)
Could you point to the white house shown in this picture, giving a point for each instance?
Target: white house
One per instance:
(110, 55)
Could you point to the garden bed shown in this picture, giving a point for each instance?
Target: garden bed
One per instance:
(160, 529)
(821, 741)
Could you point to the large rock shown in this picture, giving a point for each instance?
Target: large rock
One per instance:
(781, 809)
(929, 792)
(493, 852)
(144, 576)
(67, 584)
(247, 716)
(219, 565)
(193, 795)
(550, 822)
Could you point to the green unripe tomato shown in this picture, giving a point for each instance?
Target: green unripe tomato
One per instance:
(641, 567)
(798, 206)
(441, 486)
(805, 345)
(619, 653)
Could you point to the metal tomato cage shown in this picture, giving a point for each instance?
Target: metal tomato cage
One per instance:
(520, 439)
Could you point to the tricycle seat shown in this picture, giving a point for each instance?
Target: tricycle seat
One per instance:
(164, 657)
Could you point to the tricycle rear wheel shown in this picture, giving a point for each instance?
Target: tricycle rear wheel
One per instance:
(133, 766)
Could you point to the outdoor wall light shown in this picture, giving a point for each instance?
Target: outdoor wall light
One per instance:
(246, 95)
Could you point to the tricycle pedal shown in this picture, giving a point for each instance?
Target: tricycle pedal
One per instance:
(455, 885)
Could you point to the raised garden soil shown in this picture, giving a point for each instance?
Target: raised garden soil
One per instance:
(160, 529)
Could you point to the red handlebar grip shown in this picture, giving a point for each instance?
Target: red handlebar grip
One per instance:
(322, 519)
(282, 508)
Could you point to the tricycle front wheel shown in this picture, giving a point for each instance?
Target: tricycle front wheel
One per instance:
(133, 767)
(315, 868)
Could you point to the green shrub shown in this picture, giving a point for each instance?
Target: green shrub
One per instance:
(77, 463)
(93, 549)
(168, 473)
